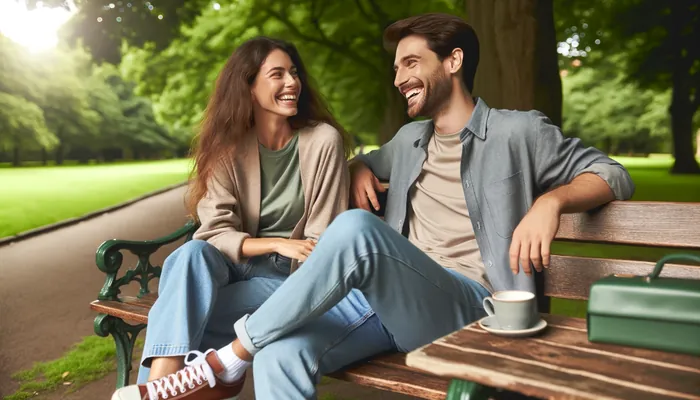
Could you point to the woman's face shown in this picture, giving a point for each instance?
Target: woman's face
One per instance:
(277, 87)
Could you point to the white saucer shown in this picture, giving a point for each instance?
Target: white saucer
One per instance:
(490, 324)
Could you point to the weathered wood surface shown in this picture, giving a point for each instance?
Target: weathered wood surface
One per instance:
(391, 373)
(560, 363)
(662, 224)
(572, 277)
(130, 309)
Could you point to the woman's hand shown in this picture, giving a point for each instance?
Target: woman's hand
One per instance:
(296, 249)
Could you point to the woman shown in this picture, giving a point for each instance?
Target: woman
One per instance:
(270, 175)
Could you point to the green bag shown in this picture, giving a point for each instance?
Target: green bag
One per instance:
(647, 311)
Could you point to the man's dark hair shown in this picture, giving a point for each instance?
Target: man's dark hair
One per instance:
(444, 33)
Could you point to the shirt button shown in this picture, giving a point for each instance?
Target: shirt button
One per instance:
(468, 184)
(478, 225)
(490, 263)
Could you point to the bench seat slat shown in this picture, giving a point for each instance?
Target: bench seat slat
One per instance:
(571, 277)
(132, 312)
(388, 372)
(398, 380)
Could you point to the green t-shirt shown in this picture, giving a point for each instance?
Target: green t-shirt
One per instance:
(282, 194)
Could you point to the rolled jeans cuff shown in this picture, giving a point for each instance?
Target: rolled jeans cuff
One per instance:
(242, 334)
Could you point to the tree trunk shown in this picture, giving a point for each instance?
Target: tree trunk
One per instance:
(607, 145)
(518, 59)
(59, 154)
(44, 156)
(682, 129)
(681, 108)
(394, 117)
(16, 160)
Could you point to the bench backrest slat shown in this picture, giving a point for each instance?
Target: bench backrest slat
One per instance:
(660, 224)
(572, 277)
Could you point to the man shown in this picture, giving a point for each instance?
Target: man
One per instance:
(475, 201)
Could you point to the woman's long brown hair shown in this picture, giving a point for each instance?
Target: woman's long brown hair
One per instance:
(229, 114)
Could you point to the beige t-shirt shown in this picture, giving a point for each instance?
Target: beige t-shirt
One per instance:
(439, 222)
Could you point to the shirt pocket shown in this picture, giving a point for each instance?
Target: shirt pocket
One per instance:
(506, 203)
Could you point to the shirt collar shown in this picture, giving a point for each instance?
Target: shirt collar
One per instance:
(476, 125)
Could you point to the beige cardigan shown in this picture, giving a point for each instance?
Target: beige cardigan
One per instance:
(230, 211)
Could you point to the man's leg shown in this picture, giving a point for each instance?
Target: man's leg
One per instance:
(291, 367)
(415, 298)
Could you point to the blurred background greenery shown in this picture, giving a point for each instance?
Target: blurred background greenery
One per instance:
(129, 79)
(96, 95)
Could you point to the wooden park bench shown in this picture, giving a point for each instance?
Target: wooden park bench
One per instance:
(560, 363)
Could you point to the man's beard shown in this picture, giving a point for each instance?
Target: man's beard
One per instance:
(438, 89)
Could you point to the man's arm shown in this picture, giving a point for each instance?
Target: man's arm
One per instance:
(533, 236)
(558, 160)
(366, 171)
(379, 161)
(573, 179)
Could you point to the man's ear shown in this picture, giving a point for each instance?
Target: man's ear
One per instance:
(455, 60)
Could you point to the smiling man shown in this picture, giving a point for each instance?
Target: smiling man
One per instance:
(475, 201)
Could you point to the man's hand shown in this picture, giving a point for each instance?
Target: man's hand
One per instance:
(364, 186)
(533, 237)
(297, 249)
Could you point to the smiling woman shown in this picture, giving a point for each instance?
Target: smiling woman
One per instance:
(36, 29)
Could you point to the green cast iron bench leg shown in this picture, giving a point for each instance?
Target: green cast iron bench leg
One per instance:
(109, 260)
(465, 390)
(124, 337)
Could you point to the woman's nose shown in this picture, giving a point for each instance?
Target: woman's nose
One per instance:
(290, 81)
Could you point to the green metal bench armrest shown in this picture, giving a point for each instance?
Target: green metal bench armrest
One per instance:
(109, 259)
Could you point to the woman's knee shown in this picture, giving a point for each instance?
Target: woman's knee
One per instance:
(194, 254)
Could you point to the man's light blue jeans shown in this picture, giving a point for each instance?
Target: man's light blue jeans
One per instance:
(364, 290)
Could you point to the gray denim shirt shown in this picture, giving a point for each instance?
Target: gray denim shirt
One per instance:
(509, 158)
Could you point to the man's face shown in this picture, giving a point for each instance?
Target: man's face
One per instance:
(421, 77)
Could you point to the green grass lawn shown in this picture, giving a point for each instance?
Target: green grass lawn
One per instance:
(36, 196)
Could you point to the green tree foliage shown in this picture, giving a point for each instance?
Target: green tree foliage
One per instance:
(659, 45)
(606, 111)
(22, 126)
(340, 41)
(22, 122)
(61, 101)
(102, 25)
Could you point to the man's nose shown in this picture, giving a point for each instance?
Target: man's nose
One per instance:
(399, 79)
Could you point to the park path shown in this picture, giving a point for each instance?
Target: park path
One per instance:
(47, 282)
